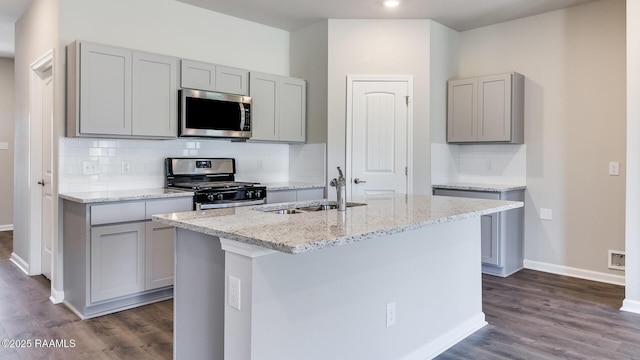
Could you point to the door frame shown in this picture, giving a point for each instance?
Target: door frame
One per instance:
(349, 117)
(36, 121)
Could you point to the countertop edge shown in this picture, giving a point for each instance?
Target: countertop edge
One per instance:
(299, 249)
(123, 197)
(480, 187)
(293, 186)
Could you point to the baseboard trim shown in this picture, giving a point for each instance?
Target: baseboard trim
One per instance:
(57, 296)
(20, 263)
(575, 272)
(448, 339)
(8, 227)
(632, 306)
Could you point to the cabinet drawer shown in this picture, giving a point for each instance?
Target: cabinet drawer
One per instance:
(281, 196)
(166, 206)
(118, 212)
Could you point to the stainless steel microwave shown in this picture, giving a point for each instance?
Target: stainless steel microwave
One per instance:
(213, 114)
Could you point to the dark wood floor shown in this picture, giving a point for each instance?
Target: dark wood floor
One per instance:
(27, 314)
(532, 315)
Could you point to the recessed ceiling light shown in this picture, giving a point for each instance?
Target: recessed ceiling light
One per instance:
(391, 3)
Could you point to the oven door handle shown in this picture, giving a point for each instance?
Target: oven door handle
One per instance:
(231, 204)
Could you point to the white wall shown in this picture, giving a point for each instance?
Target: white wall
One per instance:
(173, 28)
(632, 296)
(574, 63)
(379, 47)
(309, 61)
(36, 33)
(6, 136)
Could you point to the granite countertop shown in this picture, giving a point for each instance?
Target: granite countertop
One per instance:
(480, 187)
(304, 232)
(292, 185)
(123, 195)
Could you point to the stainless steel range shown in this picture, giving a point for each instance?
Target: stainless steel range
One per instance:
(213, 181)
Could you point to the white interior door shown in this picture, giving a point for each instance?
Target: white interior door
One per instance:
(47, 172)
(379, 137)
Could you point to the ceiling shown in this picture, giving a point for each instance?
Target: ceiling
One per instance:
(10, 12)
(457, 14)
(292, 14)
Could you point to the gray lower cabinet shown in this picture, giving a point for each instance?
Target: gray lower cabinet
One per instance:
(502, 234)
(115, 258)
(279, 196)
(159, 247)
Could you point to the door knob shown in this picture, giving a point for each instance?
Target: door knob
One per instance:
(41, 182)
(358, 181)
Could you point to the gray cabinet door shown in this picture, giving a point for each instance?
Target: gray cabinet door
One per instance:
(232, 80)
(292, 97)
(105, 90)
(117, 260)
(490, 237)
(197, 75)
(159, 255)
(310, 194)
(281, 196)
(462, 122)
(494, 108)
(155, 95)
(264, 92)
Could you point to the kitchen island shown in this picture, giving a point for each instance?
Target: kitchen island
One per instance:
(397, 278)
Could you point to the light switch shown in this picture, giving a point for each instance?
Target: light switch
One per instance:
(614, 168)
(546, 214)
(4, 145)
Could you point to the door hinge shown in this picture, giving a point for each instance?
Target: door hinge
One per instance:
(406, 98)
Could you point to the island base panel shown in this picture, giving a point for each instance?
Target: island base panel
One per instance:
(331, 303)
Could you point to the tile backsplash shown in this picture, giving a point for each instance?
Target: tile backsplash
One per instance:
(139, 164)
(483, 164)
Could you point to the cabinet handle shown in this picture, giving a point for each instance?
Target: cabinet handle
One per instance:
(358, 181)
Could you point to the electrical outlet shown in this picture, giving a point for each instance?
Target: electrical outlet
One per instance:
(234, 292)
(89, 168)
(546, 214)
(614, 168)
(489, 166)
(4, 145)
(126, 167)
(391, 314)
(616, 260)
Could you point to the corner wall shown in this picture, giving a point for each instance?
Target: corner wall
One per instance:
(6, 137)
(574, 64)
(379, 47)
(632, 296)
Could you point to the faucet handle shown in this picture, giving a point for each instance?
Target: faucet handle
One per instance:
(340, 173)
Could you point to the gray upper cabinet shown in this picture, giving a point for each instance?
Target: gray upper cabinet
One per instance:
(155, 89)
(116, 92)
(279, 108)
(487, 109)
(231, 80)
(197, 75)
(102, 76)
(211, 77)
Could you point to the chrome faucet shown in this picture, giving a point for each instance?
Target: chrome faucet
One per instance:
(341, 188)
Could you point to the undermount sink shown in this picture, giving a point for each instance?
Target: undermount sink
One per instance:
(314, 208)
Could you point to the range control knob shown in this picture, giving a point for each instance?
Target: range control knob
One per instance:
(219, 196)
(210, 197)
(249, 194)
(258, 193)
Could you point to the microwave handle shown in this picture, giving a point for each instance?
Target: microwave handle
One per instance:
(242, 117)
